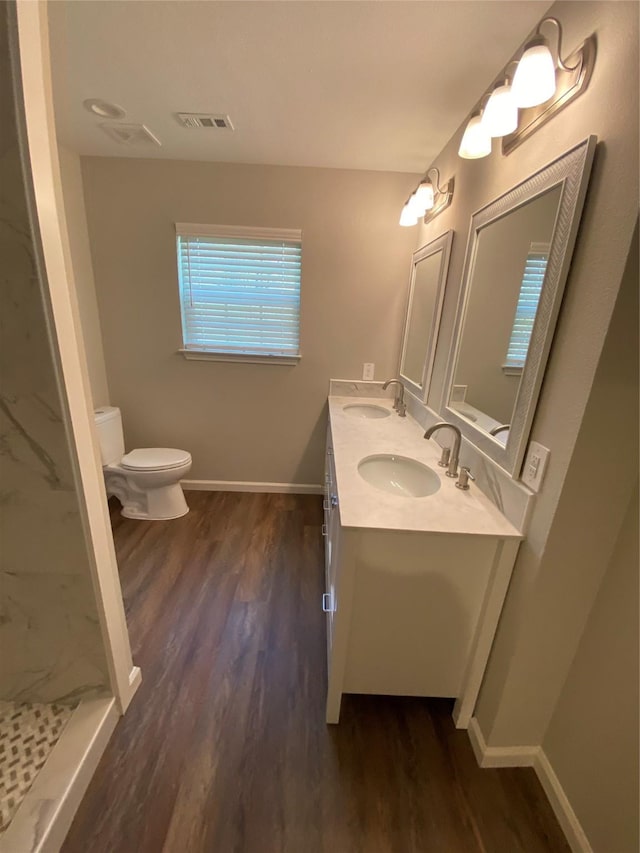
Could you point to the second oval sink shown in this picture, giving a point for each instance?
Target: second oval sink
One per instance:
(366, 410)
(399, 475)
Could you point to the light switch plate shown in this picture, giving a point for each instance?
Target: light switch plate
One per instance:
(368, 370)
(535, 464)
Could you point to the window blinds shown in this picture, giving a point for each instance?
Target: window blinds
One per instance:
(240, 290)
(527, 307)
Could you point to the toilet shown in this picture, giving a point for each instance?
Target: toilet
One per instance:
(145, 481)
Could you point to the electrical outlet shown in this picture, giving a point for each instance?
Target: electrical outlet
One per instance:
(368, 370)
(535, 464)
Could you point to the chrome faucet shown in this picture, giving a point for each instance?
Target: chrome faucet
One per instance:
(452, 469)
(498, 429)
(398, 404)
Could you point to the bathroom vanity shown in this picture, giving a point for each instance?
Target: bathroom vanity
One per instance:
(416, 569)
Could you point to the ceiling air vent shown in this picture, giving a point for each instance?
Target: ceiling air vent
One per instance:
(204, 120)
(130, 134)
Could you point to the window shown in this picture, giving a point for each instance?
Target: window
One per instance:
(527, 307)
(239, 292)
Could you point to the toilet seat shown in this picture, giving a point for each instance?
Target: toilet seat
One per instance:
(155, 459)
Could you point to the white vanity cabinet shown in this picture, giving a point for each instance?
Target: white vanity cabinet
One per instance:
(409, 612)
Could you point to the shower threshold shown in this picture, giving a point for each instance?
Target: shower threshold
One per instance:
(48, 754)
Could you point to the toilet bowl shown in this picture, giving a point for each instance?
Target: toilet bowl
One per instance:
(146, 481)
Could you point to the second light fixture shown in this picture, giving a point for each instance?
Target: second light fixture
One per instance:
(423, 198)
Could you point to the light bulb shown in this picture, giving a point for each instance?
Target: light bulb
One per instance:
(500, 116)
(476, 142)
(423, 198)
(408, 216)
(535, 79)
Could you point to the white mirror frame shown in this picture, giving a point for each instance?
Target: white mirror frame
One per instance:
(440, 244)
(571, 171)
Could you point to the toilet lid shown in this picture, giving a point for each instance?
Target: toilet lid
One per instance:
(155, 458)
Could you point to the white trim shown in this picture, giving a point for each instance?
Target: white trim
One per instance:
(194, 230)
(560, 804)
(246, 486)
(254, 358)
(441, 244)
(533, 756)
(499, 756)
(43, 818)
(135, 680)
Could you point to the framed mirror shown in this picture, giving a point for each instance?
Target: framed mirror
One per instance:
(427, 281)
(516, 266)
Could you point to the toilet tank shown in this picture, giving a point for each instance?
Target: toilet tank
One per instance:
(110, 434)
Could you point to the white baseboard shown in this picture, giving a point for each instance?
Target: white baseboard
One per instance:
(246, 486)
(533, 756)
(499, 756)
(560, 804)
(44, 816)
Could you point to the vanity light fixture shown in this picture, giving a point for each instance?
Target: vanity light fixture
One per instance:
(540, 88)
(427, 200)
(476, 141)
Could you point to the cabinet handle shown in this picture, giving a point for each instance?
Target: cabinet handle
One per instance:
(334, 500)
(329, 451)
(326, 603)
(324, 530)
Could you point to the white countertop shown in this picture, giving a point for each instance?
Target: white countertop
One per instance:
(449, 510)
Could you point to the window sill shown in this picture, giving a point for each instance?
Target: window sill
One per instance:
(203, 355)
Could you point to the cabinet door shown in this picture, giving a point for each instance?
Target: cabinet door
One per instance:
(329, 497)
(330, 530)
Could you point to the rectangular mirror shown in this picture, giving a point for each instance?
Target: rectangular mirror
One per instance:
(517, 261)
(427, 281)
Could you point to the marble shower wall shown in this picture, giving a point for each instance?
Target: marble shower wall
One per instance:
(51, 646)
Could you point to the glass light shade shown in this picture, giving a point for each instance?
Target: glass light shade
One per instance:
(500, 116)
(535, 79)
(408, 216)
(414, 205)
(423, 198)
(476, 142)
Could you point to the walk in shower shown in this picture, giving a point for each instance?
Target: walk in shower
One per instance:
(52, 653)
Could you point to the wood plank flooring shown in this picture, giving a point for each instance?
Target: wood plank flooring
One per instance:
(224, 748)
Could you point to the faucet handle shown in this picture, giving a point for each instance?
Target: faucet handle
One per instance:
(444, 459)
(402, 408)
(464, 477)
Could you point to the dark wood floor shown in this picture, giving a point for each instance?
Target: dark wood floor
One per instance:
(224, 748)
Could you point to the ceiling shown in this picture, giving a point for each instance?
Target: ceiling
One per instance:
(349, 85)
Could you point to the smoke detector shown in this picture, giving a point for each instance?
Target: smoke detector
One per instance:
(130, 134)
(205, 120)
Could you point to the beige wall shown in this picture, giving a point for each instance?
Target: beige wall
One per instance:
(592, 741)
(83, 273)
(245, 422)
(537, 638)
(586, 414)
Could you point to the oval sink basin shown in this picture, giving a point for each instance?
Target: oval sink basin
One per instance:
(399, 475)
(366, 410)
